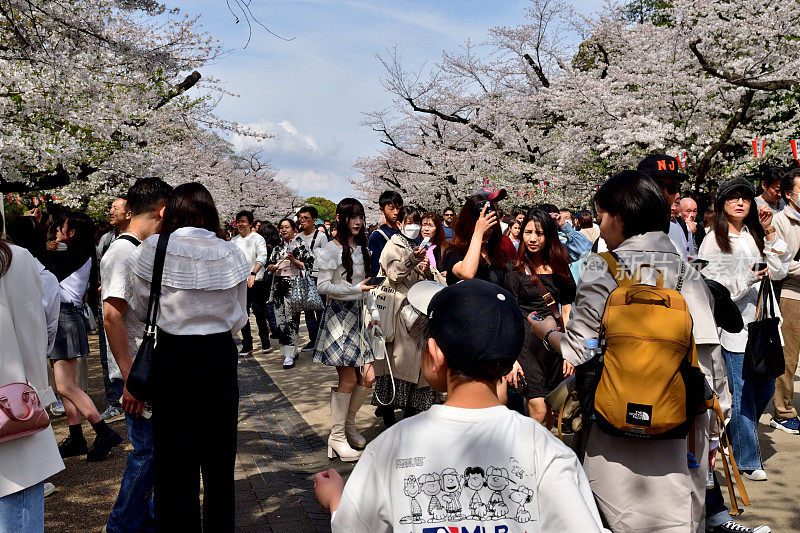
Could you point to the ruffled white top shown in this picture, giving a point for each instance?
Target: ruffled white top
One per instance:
(332, 278)
(203, 288)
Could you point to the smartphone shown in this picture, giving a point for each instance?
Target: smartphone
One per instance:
(758, 266)
(489, 209)
(376, 280)
(425, 244)
(534, 316)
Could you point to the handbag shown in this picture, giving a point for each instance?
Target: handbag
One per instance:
(139, 379)
(763, 356)
(304, 295)
(21, 412)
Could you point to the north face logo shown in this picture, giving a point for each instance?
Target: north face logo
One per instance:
(638, 414)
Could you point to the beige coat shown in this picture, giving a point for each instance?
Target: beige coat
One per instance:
(26, 461)
(787, 228)
(400, 266)
(646, 485)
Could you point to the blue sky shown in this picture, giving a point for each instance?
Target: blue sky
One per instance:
(311, 91)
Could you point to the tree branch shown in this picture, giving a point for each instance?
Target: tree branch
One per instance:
(705, 161)
(537, 70)
(735, 79)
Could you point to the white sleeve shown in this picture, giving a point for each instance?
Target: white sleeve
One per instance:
(261, 250)
(363, 506)
(241, 295)
(724, 269)
(326, 265)
(778, 258)
(566, 502)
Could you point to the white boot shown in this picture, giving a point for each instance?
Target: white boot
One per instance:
(288, 356)
(337, 442)
(357, 399)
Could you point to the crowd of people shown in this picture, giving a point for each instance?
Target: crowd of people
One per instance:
(464, 321)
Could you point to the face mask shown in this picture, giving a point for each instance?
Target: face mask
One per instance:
(411, 230)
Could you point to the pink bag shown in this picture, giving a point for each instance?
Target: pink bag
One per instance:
(21, 412)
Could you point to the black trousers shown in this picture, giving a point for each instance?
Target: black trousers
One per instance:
(186, 446)
(257, 301)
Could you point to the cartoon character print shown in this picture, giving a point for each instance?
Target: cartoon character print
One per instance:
(475, 480)
(515, 468)
(412, 488)
(451, 487)
(522, 496)
(431, 487)
(497, 480)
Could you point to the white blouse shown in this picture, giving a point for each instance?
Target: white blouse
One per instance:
(733, 271)
(203, 288)
(73, 287)
(332, 279)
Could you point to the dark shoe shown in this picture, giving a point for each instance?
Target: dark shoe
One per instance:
(102, 446)
(309, 347)
(265, 346)
(389, 417)
(732, 527)
(71, 447)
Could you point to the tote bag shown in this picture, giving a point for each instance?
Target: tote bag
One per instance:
(763, 356)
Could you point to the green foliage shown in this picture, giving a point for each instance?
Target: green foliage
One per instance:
(326, 208)
(653, 11)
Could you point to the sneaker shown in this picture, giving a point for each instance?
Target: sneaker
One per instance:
(732, 527)
(309, 347)
(112, 414)
(789, 425)
(70, 447)
(288, 362)
(102, 446)
(754, 475)
(49, 489)
(57, 408)
(245, 351)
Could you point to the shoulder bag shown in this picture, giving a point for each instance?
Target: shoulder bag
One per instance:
(763, 356)
(21, 412)
(139, 383)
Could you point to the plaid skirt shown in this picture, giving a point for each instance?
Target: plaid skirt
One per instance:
(342, 339)
(71, 338)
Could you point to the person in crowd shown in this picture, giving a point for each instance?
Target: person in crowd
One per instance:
(313, 239)
(287, 261)
(513, 232)
(518, 215)
(566, 216)
(687, 211)
(27, 461)
(76, 270)
(640, 485)
(433, 231)
(771, 189)
(665, 170)
(787, 228)
(476, 250)
(404, 263)
(575, 242)
(448, 219)
(273, 238)
(119, 216)
(333, 231)
(741, 240)
(479, 465)
(541, 282)
(586, 225)
(254, 247)
(390, 203)
(203, 302)
(256, 225)
(343, 342)
(147, 198)
(706, 225)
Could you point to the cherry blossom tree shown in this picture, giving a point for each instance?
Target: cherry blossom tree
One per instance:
(550, 108)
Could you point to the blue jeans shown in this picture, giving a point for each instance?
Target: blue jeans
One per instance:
(749, 399)
(23, 511)
(133, 510)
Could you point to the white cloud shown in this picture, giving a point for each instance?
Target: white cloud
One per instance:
(287, 140)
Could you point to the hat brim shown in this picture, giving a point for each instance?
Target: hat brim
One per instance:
(496, 196)
(421, 294)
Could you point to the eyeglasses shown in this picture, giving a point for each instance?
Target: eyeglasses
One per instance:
(735, 197)
(301, 217)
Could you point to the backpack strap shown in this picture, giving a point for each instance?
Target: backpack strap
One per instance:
(382, 233)
(130, 238)
(617, 269)
(313, 240)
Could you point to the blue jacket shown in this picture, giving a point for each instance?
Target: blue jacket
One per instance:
(376, 243)
(574, 241)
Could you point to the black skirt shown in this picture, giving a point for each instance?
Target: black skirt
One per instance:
(71, 337)
(544, 369)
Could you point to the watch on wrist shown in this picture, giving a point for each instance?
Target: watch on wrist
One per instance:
(547, 345)
(252, 273)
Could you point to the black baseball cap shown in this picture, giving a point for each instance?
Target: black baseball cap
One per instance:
(733, 184)
(473, 322)
(661, 168)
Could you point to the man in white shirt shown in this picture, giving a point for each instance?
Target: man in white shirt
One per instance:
(255, 250)
(313, 239)
(771, 190)
(133, 509)
(470, 464)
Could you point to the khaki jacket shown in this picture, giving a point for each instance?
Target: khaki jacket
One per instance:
(787, 228)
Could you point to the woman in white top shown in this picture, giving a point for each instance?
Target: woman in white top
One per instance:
(76, 271)
(287, 261)
(24, 462)
(344, 266)
(743, 236)
(203, 300)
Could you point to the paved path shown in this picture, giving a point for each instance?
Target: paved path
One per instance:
(283, 423)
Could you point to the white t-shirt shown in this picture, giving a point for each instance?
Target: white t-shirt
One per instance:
(453, 469)
(255, 250)
(115, 271)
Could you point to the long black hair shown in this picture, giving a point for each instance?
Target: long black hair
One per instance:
(721, 228)
(554, 254)
(464, 227)
(347, 209)
(80, 248)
